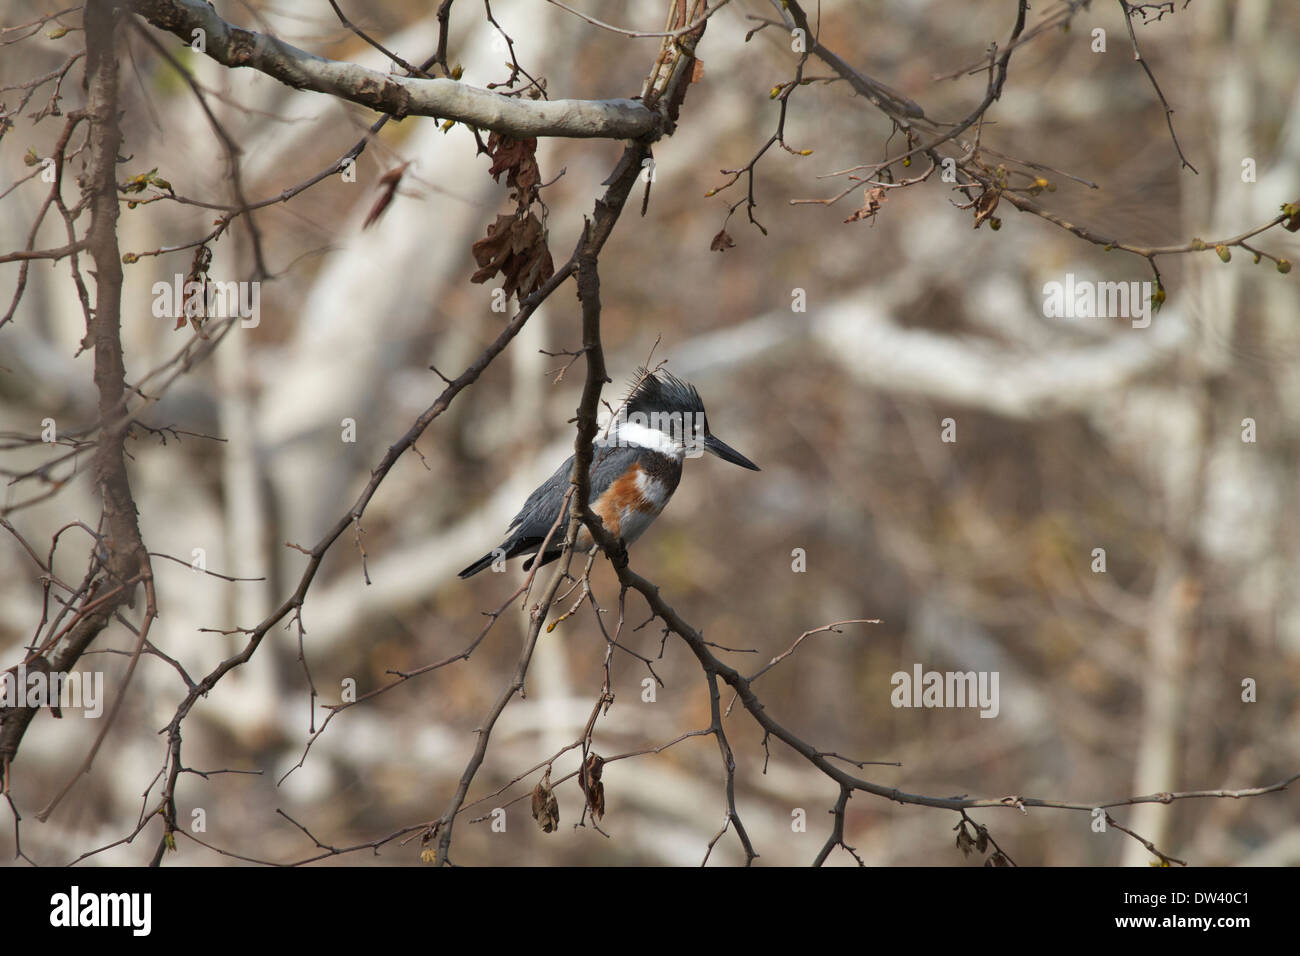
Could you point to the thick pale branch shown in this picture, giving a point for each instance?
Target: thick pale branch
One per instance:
(397, 95)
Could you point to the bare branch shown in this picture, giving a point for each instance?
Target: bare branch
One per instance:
(396, 95)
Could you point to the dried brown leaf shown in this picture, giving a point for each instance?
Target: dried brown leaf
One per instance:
(592, 787)
(515, 246)
(984, 206)
(546, 809)
(388, 184)
(517, 158)
(722, 242)
(872, 200)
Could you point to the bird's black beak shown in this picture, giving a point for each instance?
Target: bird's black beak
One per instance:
(727, 453)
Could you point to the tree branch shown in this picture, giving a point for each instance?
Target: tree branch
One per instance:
(397, 95)
(120, 552)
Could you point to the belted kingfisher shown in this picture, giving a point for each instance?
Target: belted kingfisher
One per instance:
(636, 465)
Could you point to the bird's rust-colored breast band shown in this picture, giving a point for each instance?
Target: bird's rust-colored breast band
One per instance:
(624, 494)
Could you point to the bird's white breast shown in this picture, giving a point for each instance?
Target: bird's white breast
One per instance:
(634, 521)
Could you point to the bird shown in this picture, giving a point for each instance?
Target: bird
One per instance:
(635, 468)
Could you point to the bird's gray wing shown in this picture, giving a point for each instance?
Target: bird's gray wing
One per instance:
(543, 505)
(534, 522)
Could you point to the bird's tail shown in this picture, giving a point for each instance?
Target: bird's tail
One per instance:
(510, 548)
(479, 565)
